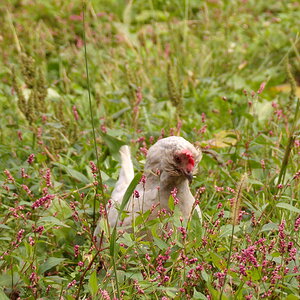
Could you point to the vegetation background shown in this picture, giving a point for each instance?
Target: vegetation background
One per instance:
(222, 74)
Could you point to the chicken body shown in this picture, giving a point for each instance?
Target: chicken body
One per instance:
(170, 163)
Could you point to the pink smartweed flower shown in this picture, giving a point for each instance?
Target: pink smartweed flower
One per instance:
(80, 264)
(136, 194)
(24, 174)
(27, 190)
(9, 176)
(143, 180)
(76, 250)
(179, 126)
(33, 278)
(75, 112)
(38, 229)
(203, 129)
(30, 159)
(203, 117)
(47, 178)
(137, 286)
(72, 283)
(151, 139)
(263, 164)
(261, 88)
(174, 195)
(20, 136)
(219, 188)
(93, 168)
(31, 241)
(144, 151)
(42, 201)
(182, 231)
(221, 278)
(297, 224)
(76, 17)
(297, 175)
(20, 235)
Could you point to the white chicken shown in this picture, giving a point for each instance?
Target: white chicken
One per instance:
(170, 163)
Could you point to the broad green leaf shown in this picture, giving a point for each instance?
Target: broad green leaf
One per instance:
(4, 226)
(3, 296)
(73, 173)
(269, 227)
(93, 283)
(130, 191)
(112, 143)
(50, 263)
(112, 245)
(217, 260)
(292, 297)
(52, 220)
(288, 207)
(160, 243)
(198, 295)
(171, 203)
(204, 275)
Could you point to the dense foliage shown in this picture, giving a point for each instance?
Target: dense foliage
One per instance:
(222, 74)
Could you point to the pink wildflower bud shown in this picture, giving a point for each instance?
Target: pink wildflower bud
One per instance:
(263, 164)
(144, 151)
(72, 283)
(47, 178)
(76, 250)
(20, 136)
(261, 88)
(136, 194)
(75, 112)
(27, 190)
(93, 167)
(30, 159)
(9, 176)
(80, 264)
(297, 224)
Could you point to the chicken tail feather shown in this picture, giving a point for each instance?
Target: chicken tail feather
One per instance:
(126, 174)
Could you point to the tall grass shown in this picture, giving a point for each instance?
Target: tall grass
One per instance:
(188, 68)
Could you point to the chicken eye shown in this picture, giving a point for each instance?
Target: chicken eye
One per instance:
(177, 159)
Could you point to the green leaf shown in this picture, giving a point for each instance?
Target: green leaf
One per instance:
(3, 296)
(269, 227)
(4, 226)
(52, 220)
(125, 200)
(112, 245)
(160, 243)
(50, 263)
(198, 295)
(292, 297)
(171, 203)
(112, 143)
(73, 173)
(130, 191)
(93, 283)
(217, 260)
(288, 207)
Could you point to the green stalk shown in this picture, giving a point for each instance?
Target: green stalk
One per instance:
(289, 147)
(92, 120)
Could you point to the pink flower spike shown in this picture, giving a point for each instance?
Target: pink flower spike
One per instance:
(261, 88)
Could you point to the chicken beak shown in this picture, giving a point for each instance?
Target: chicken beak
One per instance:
(189, 176)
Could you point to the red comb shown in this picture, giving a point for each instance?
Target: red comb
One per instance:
(190, 156)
